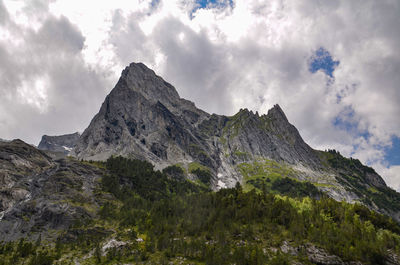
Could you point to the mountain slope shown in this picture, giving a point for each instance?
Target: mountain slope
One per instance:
(123, 212)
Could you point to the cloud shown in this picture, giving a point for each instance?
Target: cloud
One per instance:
(3, 13)
(57, 35)
(221, 56)
(48, 87)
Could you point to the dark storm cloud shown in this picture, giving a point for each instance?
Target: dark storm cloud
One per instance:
(69, 92)
(57, 35)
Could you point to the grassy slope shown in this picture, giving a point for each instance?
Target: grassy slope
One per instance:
(352, 175)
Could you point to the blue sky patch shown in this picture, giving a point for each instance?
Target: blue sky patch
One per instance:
(392, 154)
(346, 121)
(322, 60)
(154, 3)
(211, 4)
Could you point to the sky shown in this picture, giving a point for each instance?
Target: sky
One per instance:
(333, 66)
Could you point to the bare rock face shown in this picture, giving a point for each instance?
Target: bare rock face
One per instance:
(144, 117)
(38, 193)
(62, 143)
(317, 255)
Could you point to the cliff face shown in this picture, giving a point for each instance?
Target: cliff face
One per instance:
(143, 117)
(39, 194)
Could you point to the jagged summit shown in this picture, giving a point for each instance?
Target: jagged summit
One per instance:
(277, 112)
(140, 78)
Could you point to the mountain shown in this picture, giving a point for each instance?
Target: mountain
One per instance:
(63, 143)
(143, 117)
(155, 180)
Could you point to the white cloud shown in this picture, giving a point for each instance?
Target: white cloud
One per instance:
(392, 176)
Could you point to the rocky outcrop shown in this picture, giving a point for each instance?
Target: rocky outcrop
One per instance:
(62, 143)
(38, 193)
(320, 256)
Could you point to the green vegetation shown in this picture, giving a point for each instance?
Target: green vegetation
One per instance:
(211, 126)
(263, 172)
(270, 176)
(195, 165)
(294, 188)
(234, 124)
(354, 176)
(241, 155)
(161, 219)
(242, 119)
(175, 171)
(202, 173)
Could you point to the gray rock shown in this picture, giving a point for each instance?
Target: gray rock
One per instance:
(320, 256)
(315, 255)
(61, 143)
(39, 194)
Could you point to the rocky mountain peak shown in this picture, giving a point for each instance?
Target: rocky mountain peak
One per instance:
(139, 78)
(277, 113)
(144, 117)
(140, 117)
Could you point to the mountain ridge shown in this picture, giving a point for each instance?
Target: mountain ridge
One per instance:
(141, 86)
(144, 117)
